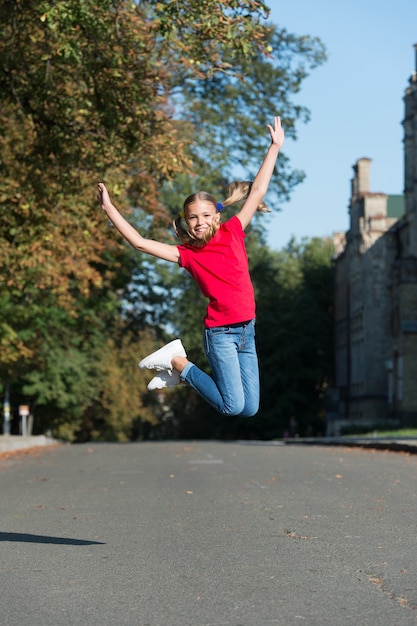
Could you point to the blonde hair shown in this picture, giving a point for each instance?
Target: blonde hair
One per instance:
(238, 191)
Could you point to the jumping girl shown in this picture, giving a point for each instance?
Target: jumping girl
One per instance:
(214, 254)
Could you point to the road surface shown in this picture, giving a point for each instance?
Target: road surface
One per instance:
(208, 534)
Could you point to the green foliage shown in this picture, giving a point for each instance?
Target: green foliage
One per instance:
(227, 117)
(157, 97)
(64, 389)
(83, 85)
(380, 431)
(123, 406)
(93, 391)
(294, 293)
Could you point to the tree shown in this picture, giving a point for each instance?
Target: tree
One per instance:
(114, 90)
(124, 410)
(230, 113)
(295, 295)
(227, 117)
(91, 390)
(83, 84)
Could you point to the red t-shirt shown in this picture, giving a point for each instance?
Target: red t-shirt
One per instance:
(221, 270)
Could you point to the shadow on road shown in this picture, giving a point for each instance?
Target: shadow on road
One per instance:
(27, 538)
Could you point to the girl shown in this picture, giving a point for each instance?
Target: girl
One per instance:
(215, 256)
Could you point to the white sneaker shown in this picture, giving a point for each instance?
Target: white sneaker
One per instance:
(161, 359)
(170, 378)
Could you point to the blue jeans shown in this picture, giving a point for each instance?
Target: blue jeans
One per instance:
(231, 352)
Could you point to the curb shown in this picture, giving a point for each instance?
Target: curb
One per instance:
(378, 443)
(11, 443)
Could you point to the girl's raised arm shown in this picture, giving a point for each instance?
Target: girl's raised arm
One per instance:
(263, 177)
(149, 246)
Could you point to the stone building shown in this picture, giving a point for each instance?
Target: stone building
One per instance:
(375, 305)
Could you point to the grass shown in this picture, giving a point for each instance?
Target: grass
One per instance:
(397, 434)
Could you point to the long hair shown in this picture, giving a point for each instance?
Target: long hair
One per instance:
(238, 191)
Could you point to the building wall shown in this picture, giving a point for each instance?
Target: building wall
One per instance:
(404, 282)
(375, 304)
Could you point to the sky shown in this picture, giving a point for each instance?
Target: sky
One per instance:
(356, 104)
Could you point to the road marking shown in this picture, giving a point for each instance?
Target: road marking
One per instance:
(206, 462)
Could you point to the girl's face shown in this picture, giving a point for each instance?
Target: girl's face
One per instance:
(200, 216)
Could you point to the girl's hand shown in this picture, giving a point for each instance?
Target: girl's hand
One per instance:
(103, 196)
(277, 132)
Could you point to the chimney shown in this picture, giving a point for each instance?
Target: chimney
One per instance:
(361, 179)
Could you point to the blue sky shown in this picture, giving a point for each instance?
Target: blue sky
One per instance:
(356, 104)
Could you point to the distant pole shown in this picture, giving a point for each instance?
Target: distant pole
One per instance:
(24, 412)
(6, 411)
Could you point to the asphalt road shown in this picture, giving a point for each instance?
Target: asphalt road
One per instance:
(208, 534)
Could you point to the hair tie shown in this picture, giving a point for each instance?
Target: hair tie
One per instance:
(182, 214)
(219, 206)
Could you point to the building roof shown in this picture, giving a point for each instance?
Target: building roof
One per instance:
(395, 206)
